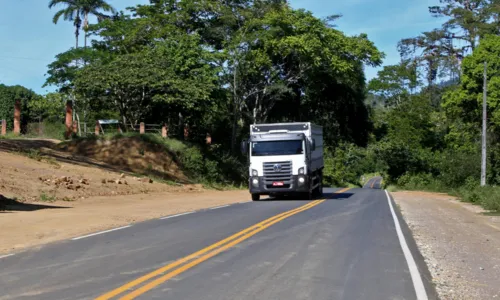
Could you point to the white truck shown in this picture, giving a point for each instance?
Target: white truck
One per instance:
(285, 159)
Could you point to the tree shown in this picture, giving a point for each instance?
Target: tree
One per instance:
(71, 12)
(95, 8)
(50, 106)
(464, 103)
(75, 10)
(467, 21)
(8, 97)
(174, 73)
(395, 83)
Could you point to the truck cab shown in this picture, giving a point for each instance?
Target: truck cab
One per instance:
(285, 159)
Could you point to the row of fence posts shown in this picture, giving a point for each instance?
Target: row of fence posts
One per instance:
(72, 127)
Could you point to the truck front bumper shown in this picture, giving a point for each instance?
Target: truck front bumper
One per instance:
(258, 185)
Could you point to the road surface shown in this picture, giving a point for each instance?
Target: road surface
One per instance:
(373, 183)
(344, 247)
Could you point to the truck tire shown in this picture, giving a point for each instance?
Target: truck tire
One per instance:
(308, 195)
(255, 197)
(320, 186)
(320, 189)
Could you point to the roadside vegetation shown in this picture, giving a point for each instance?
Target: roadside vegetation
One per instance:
(426, 111)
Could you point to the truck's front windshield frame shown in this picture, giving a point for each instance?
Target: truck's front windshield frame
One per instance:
(277, 148)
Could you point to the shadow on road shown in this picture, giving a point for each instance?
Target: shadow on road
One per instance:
(338, 196)
(9, 205)
(326, 196)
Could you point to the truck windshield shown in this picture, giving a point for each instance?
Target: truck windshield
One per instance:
(277, 148)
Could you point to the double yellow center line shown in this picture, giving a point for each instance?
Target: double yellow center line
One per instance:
(160, 275)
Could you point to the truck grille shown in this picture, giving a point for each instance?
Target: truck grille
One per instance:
(278, 172)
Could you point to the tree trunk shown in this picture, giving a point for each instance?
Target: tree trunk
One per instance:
(77, 33)
(85, 28)
(235, 110)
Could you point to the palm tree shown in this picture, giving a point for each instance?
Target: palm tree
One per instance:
(75, 10)
(71, 12)
(93, 7)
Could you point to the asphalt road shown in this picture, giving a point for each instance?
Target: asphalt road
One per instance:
(344, 247)
(373, 183)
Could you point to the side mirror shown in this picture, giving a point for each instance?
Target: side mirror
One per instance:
(313, 144)
(244, 147)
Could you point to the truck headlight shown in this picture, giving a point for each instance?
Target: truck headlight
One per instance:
(302, 180)
(255, 182)
(302, 171)
(255, 173)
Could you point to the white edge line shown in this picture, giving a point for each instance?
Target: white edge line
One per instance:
(414, 273)
(100, 232)
(220, 206)
(7, 255)
(177, 215)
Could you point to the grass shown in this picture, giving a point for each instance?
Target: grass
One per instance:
(352, 185)
(34, 154)
(488, 197)
(492, 213)
(392, 188)
(47, 198)
(48, 130)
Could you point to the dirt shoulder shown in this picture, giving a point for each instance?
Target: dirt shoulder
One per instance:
(39, 224)
(460, 244)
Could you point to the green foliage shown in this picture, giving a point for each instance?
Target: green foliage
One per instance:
(34, 154)
(173, 75)
(211, 65)
(50, 107)
(47, 198)
(347, 163)
(455, 167)
(394, 84)
(8, 97)
(488, 196)
(465, 102)
(78, 10)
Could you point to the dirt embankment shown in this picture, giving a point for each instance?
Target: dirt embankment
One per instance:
(49, 192)
(131, 154)
(460, 243)
(43, 170)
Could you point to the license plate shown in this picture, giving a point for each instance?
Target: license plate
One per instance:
(278, 183)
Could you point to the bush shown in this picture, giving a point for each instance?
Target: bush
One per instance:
(488, 196)
(455, 167)
(422, 181)
(401, 159)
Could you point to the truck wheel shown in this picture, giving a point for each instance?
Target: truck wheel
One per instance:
(308, 195)
(255, 197)
(320, 186)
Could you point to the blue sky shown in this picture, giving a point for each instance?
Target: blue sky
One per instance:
(30, 40)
